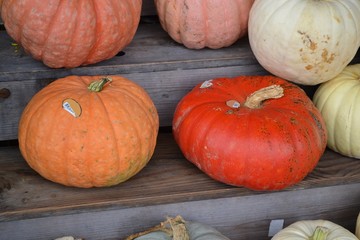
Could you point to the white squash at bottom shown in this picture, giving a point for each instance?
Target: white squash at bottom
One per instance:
(314, 230)
(338, 100)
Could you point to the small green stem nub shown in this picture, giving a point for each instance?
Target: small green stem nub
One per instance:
(97, 86)
(320, 233)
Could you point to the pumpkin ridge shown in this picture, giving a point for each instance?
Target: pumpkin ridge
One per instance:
(41, 102)
(220, 86)
(29, 116)
(81, 99)
(140, 148)
(226, 23)
(75, 31)
(350, 115)
(338, 110)
(291, 135)
(96, 30)
(117, 6)
(183, 21)
(99, 98)
(205, 16)
(177, 124)
(98, 51)
(139, 100)
(64, 178)
(205, 109)
(350, 10)
(50, 29)
(354, 122)
(134, 23)
(96, 36)
(17, 35)
(20, 33)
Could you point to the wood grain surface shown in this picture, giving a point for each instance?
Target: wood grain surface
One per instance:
(169, 185)
(164, 68)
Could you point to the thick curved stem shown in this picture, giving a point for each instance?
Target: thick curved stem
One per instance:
(256, 98)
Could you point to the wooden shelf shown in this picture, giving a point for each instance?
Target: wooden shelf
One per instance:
(164, 68)
(169, 185)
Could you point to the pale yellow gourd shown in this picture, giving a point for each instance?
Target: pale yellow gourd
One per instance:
(306, 42)
(339, 103)
(314, 230)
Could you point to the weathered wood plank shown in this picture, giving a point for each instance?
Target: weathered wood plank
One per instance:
(151, 50)
(239, 218)
(165, 69)
(165, 88)
(169, 185)
(168, 178)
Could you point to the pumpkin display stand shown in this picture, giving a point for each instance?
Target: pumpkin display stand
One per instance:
(35, 208)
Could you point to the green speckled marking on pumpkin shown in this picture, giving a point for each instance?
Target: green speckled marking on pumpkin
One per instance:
(130, 172)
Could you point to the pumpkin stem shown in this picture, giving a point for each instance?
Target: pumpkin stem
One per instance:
(174, 227)
(256, 98)
(97, 86)
(320, 233)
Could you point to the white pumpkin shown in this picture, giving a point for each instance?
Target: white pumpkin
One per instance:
(314, 230)
(305, 41)
(338, 100)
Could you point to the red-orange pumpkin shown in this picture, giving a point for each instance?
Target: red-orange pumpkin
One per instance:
(84, 137)
(64, 33)
(260, 132)
(202, 23)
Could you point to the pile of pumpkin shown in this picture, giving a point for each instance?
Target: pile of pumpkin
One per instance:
(259, 132)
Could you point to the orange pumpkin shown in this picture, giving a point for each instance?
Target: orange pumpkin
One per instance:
(71, 33)
(93, 137)
(203, 23)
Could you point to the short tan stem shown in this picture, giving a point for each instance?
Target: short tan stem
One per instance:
(174, 227)
(156, 228)
(256, 98)
(97, 86)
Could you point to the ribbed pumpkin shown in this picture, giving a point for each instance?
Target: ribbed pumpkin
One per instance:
(79, 132)
(339, 103)
(260, 132)
(306, 42)
(64, 33)
(203, 23)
